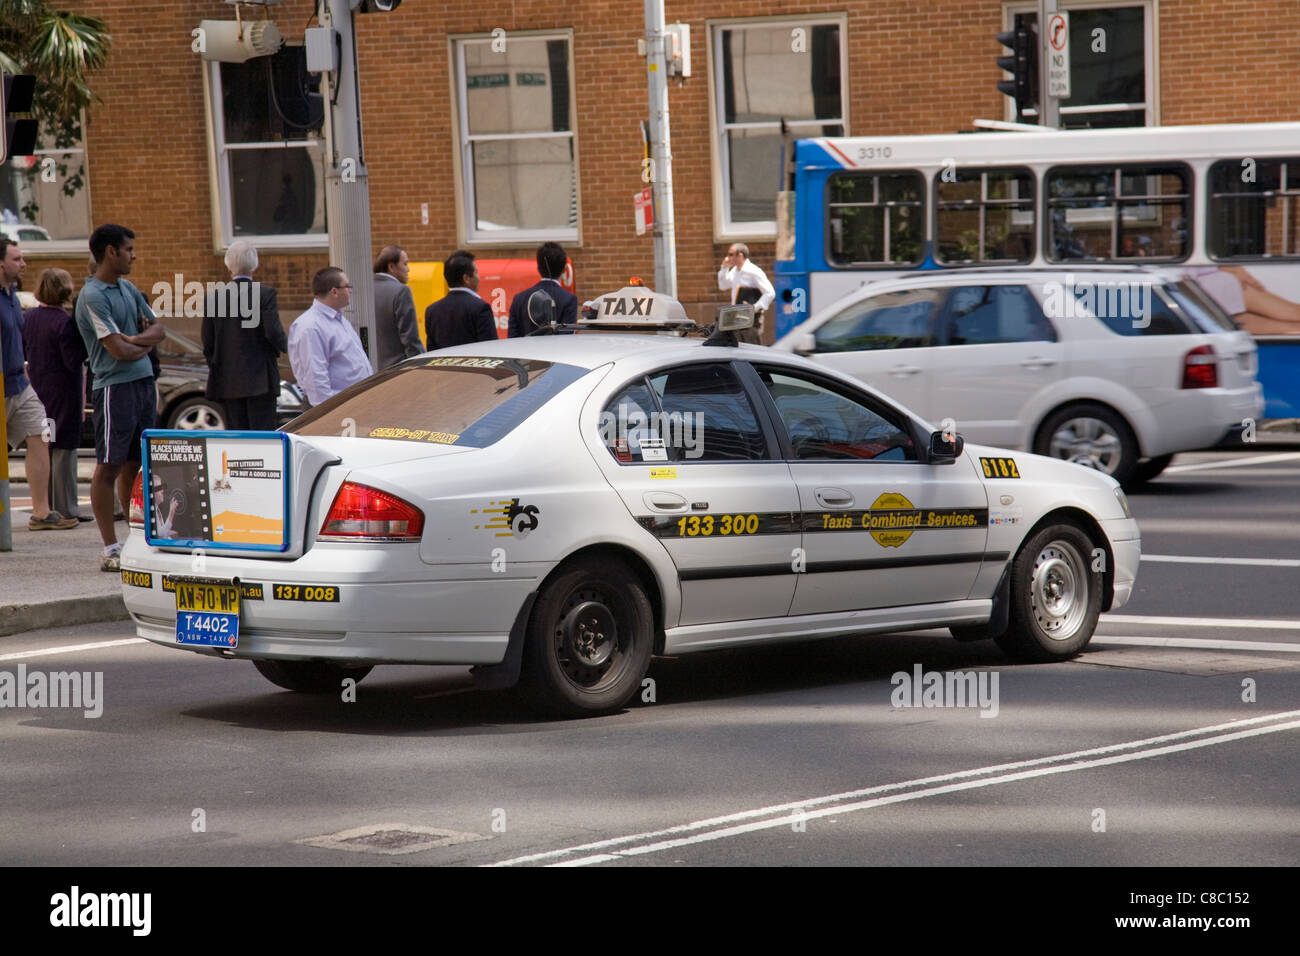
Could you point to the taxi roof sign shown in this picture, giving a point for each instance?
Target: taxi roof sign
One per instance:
(635, 307)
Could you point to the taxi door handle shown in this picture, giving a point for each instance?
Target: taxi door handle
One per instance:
(664, 501)
(833, 498)
(904, 369)
(1036, 363)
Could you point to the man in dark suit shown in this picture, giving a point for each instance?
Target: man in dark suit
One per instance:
(396, 334)
(460, 316)
(242, 337)
(551, 262)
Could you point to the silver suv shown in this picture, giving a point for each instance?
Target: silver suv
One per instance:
(1115, 368)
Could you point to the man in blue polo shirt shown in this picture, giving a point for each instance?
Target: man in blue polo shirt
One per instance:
(24, 414)
(119, 329)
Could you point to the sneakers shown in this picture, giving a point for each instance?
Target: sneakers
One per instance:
(111, 559)
(51, 522)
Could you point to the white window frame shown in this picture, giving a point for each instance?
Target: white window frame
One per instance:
(724, 228)
(1151, 49)
(463, 160)
(223, 214)
(62, 247)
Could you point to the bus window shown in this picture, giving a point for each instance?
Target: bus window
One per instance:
(1254, 209)
(875, 218)
(1119, 212)
(985, 216)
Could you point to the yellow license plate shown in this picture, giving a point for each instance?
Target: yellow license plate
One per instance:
(207, 614)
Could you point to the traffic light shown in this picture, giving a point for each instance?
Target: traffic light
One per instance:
(1022, 65)
(20, 134)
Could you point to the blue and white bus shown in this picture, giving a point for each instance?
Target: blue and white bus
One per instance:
(1218, 203)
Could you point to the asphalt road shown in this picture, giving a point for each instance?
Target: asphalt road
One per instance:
(1171, 743)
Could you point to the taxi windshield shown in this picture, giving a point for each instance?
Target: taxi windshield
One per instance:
(448, 400)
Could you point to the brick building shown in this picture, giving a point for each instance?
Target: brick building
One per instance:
(495, 125)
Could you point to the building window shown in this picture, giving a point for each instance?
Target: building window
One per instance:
(1112, 64)
(764, 73)
(45, 198)
(875, 219)
(518, 153)
(1119, 212)
(267, 135)
(984, 215)
(1254, 210)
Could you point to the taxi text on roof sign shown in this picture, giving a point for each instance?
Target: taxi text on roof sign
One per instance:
(637, 305)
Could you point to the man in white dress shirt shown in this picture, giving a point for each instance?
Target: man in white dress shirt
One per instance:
(748, 284)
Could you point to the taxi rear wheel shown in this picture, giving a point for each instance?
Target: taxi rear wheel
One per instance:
(1055, 596)
(311, 677)
(589, 640)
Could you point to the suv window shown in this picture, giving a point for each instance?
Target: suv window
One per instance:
(1138, 311)
(707, 416)
(825, 424)
(894, 320)
(984, 314)
(449, 400)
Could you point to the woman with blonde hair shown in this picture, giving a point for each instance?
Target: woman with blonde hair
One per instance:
(55, 360)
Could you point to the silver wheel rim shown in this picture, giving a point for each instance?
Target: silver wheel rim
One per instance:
(200, 418)
(1088, 441)
(1058, 591)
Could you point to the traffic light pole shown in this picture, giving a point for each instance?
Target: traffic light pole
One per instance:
(347, 184)
(1049, 107)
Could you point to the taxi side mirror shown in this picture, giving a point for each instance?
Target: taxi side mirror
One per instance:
(805, 344)
(945, 447)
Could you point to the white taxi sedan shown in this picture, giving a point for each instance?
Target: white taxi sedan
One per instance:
(557, 509)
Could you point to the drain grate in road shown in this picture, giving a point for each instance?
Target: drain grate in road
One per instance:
(391, 839)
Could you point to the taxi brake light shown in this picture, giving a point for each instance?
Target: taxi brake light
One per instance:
(360, 512)
(136, 515)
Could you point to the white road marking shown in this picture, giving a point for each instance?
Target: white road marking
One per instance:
(71, 649)
(1195, 643)
(1234, 463)
(839, 798)
(1254, 562)
(1256, 622)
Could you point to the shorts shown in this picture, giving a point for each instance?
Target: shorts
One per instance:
(122, 413)
(25, 416)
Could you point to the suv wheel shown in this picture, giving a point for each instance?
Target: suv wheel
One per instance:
(198, 414)
(1091, 435)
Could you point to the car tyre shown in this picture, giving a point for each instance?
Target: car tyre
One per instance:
(1090, 434)
(1055, 596)
(1146, 470)
(198, 414)
(589, 640)
(309, 677)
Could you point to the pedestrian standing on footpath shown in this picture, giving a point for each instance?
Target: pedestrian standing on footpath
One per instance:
(551, 263)
(397, 332)
(56, 359)
(748, 284)
(324, 349)
(460, 316)
(25, 417)
(242, 338)
(119, 331)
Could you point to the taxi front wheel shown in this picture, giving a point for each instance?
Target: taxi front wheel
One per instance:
(589, 640)
(311, 677)
(1055, 596)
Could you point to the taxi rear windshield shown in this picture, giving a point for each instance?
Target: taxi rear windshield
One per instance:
(451, 400)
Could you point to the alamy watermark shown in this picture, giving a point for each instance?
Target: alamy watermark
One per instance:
(1109, 299)
(75, 909)
(946, 689)
(647, 437)
(79, 690)
(230, 300)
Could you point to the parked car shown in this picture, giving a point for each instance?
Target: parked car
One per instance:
(181, 402)
(24, 232)
(1118, 369)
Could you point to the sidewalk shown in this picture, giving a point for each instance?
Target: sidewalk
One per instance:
(52, 578)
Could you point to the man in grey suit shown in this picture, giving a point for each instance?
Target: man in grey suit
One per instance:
(397, 334)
